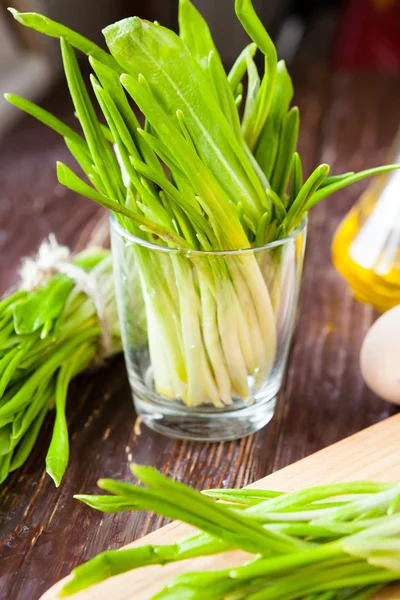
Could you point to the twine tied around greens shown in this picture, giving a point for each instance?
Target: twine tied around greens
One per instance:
(53, 258)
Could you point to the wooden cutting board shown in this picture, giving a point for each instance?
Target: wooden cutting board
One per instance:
(371, 454)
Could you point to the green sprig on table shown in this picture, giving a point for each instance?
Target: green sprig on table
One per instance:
(47, 336)
(197, 176)
(332, 541)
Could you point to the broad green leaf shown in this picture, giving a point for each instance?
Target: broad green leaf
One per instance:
(41, 309)
(136, 45)
(195, 33)
(224, 92)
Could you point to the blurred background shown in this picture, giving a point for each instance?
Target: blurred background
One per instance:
(349, 34)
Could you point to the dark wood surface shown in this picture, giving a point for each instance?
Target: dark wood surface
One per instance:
(348, 121)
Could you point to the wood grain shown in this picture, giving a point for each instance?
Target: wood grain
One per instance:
(44, 533)
(369, 455)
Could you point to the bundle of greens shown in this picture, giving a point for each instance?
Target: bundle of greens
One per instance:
(197, 177)
(49, 333)
(331, 542)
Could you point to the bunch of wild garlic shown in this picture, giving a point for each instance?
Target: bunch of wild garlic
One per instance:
(197, 177)
(330, 542)
(49, 334)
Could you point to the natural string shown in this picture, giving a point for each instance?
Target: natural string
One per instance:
(52, 258)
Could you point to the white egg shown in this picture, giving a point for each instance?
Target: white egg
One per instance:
(380, 356)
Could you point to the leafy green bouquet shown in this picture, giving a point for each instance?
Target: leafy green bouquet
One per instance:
(331, 542)
(61, 321)
(201, 175)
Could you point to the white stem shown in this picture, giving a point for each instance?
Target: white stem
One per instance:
(212, 340)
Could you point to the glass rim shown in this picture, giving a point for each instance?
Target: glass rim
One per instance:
(271, 245)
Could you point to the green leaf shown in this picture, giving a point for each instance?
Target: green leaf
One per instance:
(262, 228)
(136, 45)
(257, 32)
(299, 205)
(280, 210)
(287, 146)
(217, 204)
(339, 185)
(40, 400)
(253, 88)
(175, 500)
(5, 439)
(53, 29)
(73, 182)
(224, 92)
(238, 101)
(195, 33)
(86, 164)
(8, 365)
(103, 157)
(108, 564)
(268, 142)
(107, 504)
(48, 119)
(296, 178)
(5, 462)
(120, 132)
(200, 223)
(335, 179)
(239, 68)
(41, 309)
(27, 443)
(110, 82)
(58, 452)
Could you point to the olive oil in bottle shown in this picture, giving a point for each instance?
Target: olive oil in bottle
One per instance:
(366, 245)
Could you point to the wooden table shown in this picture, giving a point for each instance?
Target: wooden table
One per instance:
(348, 121)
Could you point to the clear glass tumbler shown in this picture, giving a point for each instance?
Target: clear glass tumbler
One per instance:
(206, 334)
